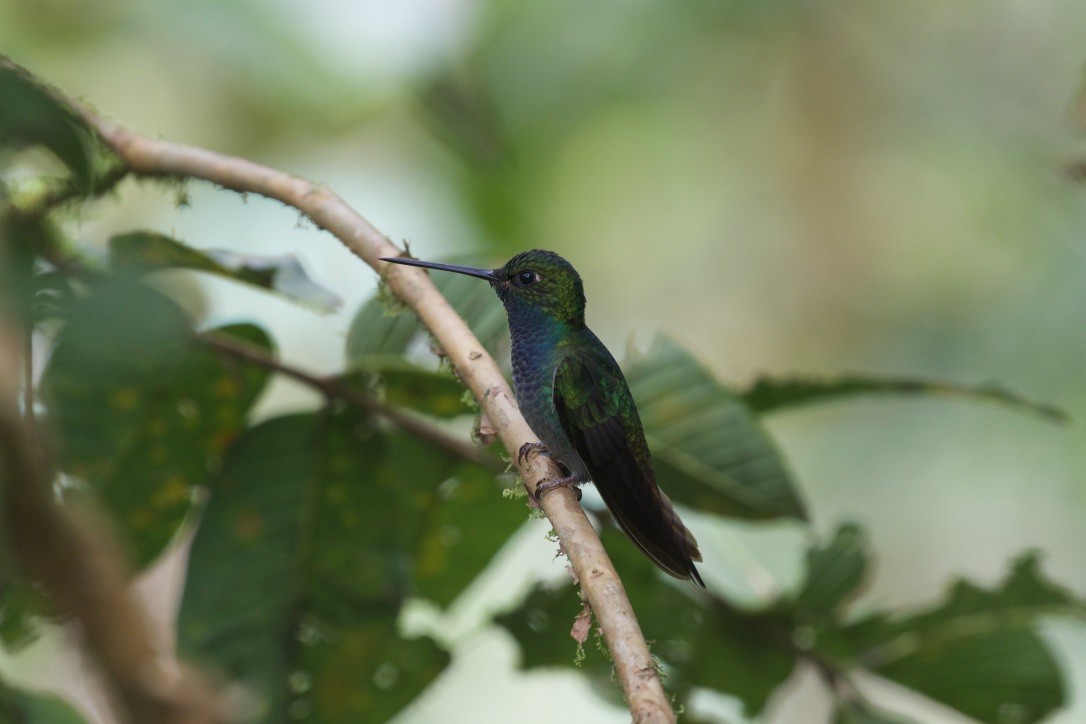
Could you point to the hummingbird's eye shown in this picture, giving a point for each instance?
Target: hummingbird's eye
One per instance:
(527, 278)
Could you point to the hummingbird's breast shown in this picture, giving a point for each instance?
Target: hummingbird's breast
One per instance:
(537, 349)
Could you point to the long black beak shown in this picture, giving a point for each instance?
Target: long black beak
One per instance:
(471, 271)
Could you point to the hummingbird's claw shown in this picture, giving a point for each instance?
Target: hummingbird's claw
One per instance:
(569, 481)
(528, 448)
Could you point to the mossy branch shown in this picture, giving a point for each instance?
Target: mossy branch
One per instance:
(151, 157)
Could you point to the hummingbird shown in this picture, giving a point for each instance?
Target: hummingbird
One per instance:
(575, 398)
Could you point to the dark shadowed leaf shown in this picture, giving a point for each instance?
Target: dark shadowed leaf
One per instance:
(20, 603)
(375, 331)
(771, 395)
(835, 572)
(283, 274)
(709, 450)
(22, 239)
(978, 652)
(18, 706)
(29, 115)
(141, 411)
(316, 531)
(541, 627)
(243, 584)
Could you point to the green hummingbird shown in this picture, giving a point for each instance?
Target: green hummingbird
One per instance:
(573, 395)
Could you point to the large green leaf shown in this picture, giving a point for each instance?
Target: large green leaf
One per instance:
(834, 573)
(141, 411)
(770, 395)
(375, 331)
(18, 706)
(700, 641)
(30, 115)
(977, 652)
(471, 521)
(284, 274)
(316, 531)
(541, 627)
(709, 451)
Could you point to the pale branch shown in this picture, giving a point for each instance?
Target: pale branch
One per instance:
(634, 665)
(334, 388)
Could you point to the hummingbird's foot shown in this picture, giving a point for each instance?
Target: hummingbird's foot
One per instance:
(538, 448)
(569, 481)
(530, 448)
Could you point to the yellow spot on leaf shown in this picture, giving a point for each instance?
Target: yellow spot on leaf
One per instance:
(173, 491)
(248, 525)
(142, 519)
(222, 439)
(225, 387)
(124, 399)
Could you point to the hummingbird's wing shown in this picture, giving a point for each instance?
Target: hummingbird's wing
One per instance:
(598, 415)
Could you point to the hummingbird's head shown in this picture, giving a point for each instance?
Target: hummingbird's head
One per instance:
(532, 280)
(544, 280)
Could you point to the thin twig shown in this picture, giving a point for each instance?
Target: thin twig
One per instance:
(634, 665)
(334, 388)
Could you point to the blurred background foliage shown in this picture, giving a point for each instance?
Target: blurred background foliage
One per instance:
(784, 186)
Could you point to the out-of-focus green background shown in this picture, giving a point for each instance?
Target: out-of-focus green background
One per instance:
(785, 185)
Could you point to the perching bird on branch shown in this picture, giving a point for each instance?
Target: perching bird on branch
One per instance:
(573, 395)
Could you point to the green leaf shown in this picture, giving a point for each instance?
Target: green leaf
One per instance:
(835, 572)
(709, 450)
(142, 412)
(367, 672)
(316, 531)
(376, 332)
(18, 706)
(20, 602)
(400, 383)
(29, 115)
(541, 627)
(770, 395)
(701, 642)
(470, 523)
(23, 239)
(283, 274)
(978, 652)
